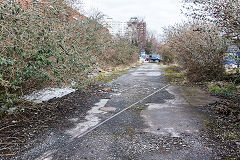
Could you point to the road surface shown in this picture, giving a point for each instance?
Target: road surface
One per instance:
(143, 118)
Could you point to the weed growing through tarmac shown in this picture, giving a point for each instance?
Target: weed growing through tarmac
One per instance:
(228, 90)
(174, 74)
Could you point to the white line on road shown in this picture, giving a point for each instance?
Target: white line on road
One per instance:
(90, 130)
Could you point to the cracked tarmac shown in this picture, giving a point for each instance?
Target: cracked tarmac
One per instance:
(164, 126)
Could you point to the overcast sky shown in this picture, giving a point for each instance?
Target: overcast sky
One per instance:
(157, 13)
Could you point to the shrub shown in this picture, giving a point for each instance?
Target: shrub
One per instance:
(167, 54)
(42, 44)
(198, 48)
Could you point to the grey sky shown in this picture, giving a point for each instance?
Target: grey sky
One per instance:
(157, 13)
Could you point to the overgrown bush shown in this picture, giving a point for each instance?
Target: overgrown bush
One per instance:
(43, 43)
(198, 48)
(167, 53)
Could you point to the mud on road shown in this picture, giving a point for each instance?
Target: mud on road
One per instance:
(140, 118)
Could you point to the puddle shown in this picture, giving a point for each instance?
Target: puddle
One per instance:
(91, 118)
(148, 74)
(148, 69)
(172, 118)
(152, 106)
(197, 97)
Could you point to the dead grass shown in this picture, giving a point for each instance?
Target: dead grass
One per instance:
(175, 74)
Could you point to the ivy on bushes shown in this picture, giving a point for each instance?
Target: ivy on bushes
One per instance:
(44, 43)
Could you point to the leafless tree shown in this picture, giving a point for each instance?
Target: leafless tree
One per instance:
(76, 4)
(96, 14)
(199, 48)
(152, 43)
(224, 13)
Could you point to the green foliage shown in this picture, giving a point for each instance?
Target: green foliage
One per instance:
(43, 44)
(215, 89)
(228, 90)
(101, 76)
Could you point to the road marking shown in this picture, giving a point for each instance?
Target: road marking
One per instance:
(90, 130)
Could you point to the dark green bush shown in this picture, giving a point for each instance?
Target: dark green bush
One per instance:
(42, 45)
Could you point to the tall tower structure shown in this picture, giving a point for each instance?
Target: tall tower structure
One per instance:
(141, 33)
(136, 31)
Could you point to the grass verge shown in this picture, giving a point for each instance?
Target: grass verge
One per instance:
(174, 74)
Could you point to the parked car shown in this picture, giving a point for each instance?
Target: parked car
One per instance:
(155, 58)
(143, 58)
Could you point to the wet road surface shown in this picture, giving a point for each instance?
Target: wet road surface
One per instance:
(144, 118)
